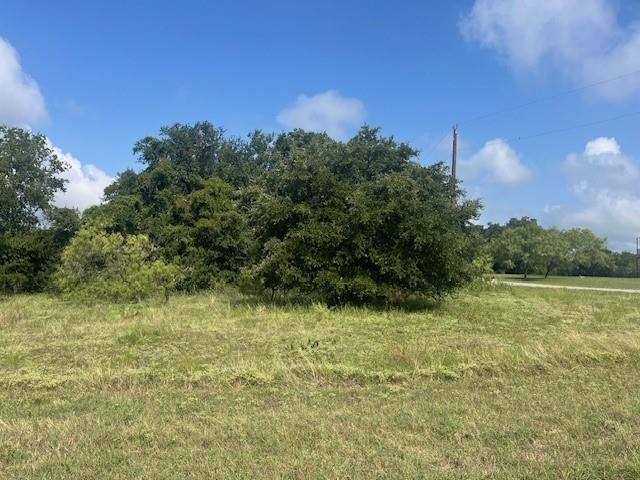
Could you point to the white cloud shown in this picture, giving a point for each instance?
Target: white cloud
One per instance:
(85, 184)
(602, 145)
(499, 162)
(328, 112)
(21, 102)
(582, 39)
(606, 181)
(602, 165)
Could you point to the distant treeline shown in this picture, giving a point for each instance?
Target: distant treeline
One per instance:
(523, 246)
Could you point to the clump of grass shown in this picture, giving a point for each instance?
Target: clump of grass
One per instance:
(140, 334)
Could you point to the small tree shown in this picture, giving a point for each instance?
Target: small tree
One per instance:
(588, 253)
(100, 265)
(519, 247)
(553, 250)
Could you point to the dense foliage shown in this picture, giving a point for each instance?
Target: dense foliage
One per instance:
(298, 213)
(29, 257)
(185, 200)
(358, 221)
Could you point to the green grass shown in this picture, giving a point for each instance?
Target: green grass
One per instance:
(506, 383)
(599, 282)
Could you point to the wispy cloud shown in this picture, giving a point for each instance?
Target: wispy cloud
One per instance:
(582, 39)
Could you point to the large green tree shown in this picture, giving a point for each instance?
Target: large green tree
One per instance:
(29, 179)
(553, 250)
(339, 221)
(523, 246)
(625, 264)
(359, 221)
(33, 231)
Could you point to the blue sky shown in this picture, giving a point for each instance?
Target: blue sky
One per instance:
(97, 76)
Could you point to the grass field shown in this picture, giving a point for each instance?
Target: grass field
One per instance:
(507, 383)
(599, 282)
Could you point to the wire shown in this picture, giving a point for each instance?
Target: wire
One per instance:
(573, 127)
(425, 158)
(551, 97)
(541, 100)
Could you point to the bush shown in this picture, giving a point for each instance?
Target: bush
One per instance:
(112, 266)
(28, 258)
(358, 222)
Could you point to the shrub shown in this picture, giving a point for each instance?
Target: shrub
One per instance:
(28, 258)
(358, 222)
(112, 266)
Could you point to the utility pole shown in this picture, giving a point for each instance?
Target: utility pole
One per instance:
(637, 257)
(454, 159)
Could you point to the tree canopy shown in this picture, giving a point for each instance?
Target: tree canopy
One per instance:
(358, 221)
(29, 178)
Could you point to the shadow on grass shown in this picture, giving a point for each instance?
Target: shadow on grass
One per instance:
(409, 304)
(521, 278)
(531, 278)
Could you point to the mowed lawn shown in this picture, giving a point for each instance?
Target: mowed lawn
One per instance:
(575, 281)
(507, 383)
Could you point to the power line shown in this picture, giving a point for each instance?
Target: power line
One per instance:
(541, 100)
(562, 129)
(435, 145)
(548, 98)
(573, 127)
